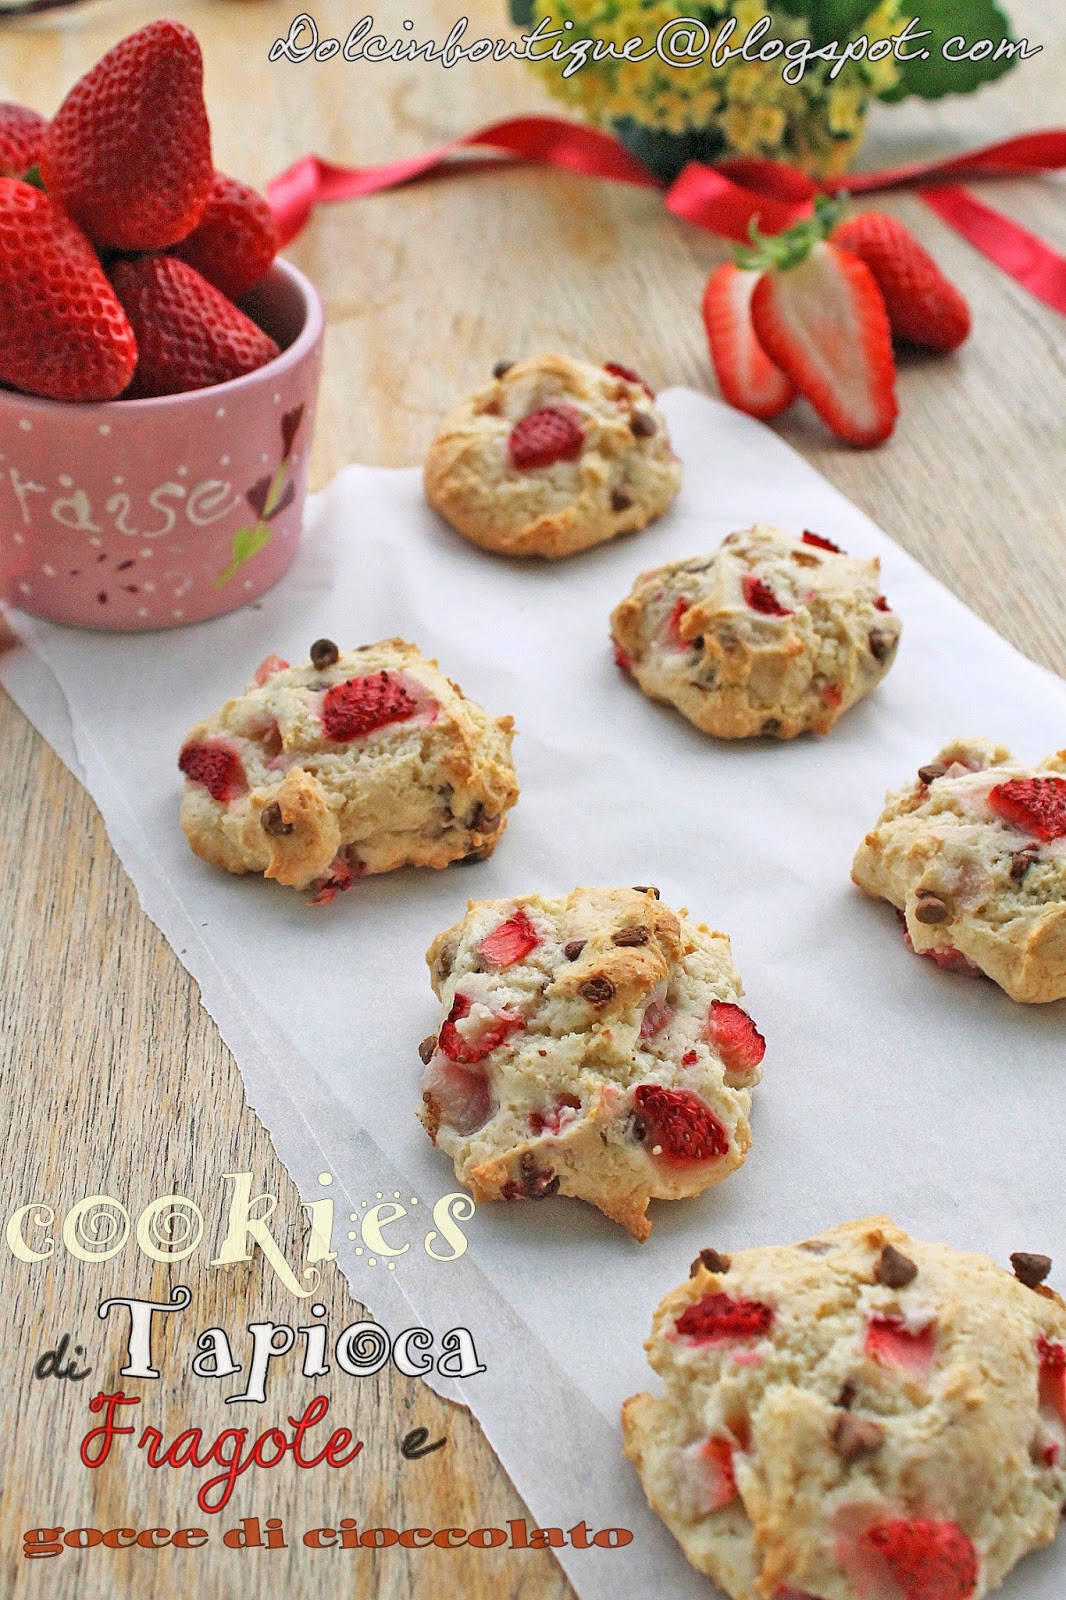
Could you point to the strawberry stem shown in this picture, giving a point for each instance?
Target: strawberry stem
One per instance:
(781, 251)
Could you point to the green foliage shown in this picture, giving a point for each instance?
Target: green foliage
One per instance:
(974, 20)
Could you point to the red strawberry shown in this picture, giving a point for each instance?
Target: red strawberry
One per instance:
(267, 668)
(341, 876)
(1052, 1377)
(622, 659)
(554, 433)
(461, 1095)
(719, 1486)
(882, 604)
(551, 1121)
(677, 1125)
(893, 1344)
(657, 1016)
(747, 377)
(22, 133)
(128, 153)
(512, 941)
(923, 306)
(188, 335)
(618, 371)
(467, 1049)
(719, 1317)
(737, 1040)
(928, 1560)
(1035, 805)
(63, 334)
(674, 636)
(760, 597)
(217, 766)
(821, 544)
(235, 240)
(362, 705)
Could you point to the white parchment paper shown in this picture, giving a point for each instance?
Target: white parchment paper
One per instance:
(889, 1086)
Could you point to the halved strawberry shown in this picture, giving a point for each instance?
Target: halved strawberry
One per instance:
(474, 1045)
(719, 1318)
(678, 1126)
(760, 597)
(512, 941)
(737, 1040)
(928, 1560)
(554, 433)
(22, 134)
(1035, 805)
(892, 1343)
(746, 376)
(354, 709)
(924, 307)
(216, 766)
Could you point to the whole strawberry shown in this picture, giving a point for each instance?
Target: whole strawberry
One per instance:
(235, 241)
(188, 335)
(22, 134)
(63, 334)
(924, 307)
(128, 153)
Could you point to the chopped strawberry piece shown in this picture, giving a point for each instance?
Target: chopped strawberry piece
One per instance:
(460, 1095)
(470, 1048)
(760, 597)
(618, 371)
(552, 1120)
(928, 1560)
(554, 433)
(677, 1125)
(719, 1318)
(737, 1040)
(622, 658)
(673, 626)
(820, 543)
(746, 376)
(1052, 1377)
(510, 942)
(689, 1058)
(362, 705)
(833, 695)
(217, 767)
(882, 604)
(720, 1487)
(893, 1344)
(657, 1015)
(341, 876)
(1035, 805)
(267, 668)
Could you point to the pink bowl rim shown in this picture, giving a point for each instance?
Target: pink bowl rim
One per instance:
(305, 341)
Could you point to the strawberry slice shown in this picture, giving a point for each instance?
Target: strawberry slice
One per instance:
(235, 241)
(472, 1046)
(678, 1126)
(512, 941)
(760, 597)
(720, 1318)
(737, 1040)
(924, 307)
(22, 134)
(1035, 805)
(890, 1342)
(554, 433)
(354, 709)
(217, 767)
(746, 376)
(928, 1560)
(819, 542)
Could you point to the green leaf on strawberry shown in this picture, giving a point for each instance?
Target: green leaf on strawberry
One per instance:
(935, 77)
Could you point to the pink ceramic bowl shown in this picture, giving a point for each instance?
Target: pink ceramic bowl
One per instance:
(153, 513)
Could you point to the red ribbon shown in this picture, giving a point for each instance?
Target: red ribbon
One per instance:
(725, 198)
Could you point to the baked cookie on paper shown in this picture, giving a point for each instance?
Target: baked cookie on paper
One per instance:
(590, 1046)
(769, 635)
(972, 853)
(860, 1417)
(553, 456)
(356, 762)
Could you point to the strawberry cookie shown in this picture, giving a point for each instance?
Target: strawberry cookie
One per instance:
(769, 635)
(357, 762)
(590, 1046)
(860, 1417)
(553, 456)
(972, 853)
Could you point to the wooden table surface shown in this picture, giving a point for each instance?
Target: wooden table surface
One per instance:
(116, 1081)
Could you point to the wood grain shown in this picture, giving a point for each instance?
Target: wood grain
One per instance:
(115, 1079)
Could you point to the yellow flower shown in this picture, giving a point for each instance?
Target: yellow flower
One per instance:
(847, 103)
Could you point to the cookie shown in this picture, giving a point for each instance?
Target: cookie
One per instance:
(590, 1046)
(553, 456)
(357, 762)
(860, 1417)
(769, 635)
(972, 853)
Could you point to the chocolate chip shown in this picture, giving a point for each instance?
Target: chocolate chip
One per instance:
(930, 773)
(627, 937)
(646, 888)
(573, 948)
(482, 821)
(324, 653)
(474, 855)
(855, 1437)
(1022, 860)
(620, 501)
(1029, 1269)
(710, 1261)
(273, 822)
(643, 425)
(881, 644)
(535, 1183)
(930, 908)
(427, 1048)
(846, 1397)
(895, 1270)
(501, 368)
(771, 725)
(597, 991)
(446, 959)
